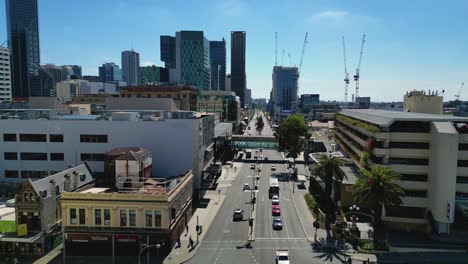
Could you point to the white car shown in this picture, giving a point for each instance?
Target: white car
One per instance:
(275, 200)
(252, 167)
(273, 167)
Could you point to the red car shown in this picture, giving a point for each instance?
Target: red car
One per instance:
(275, 210)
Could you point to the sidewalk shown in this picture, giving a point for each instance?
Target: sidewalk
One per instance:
(205, 218)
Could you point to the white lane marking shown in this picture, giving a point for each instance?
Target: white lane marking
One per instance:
(271, 227)
(286, 225)
(280, 238)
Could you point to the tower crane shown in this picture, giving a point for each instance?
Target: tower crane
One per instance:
(356, 76)
(303, 50)
(290, 59)
(459, 91)
(276, 48)
(346, 79)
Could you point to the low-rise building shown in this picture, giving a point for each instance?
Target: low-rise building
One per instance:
(119, 223)
(5, 75)
(185, 97)
(422, 102)
(225, 103)
(429, 151)
(308, 102)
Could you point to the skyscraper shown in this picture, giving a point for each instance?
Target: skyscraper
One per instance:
(238, 79)
(5, 75)
(168, 51)
(218, 64)
(130, 67)
(284, 93)
(23, 41)
(193, 59)
(110, 72)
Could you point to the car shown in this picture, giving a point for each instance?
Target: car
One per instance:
(273, 167)
(246, 187)
(275, 200)
(275, 210)
(252, 167)
(238, 215)
(265, 158)
(277, 223)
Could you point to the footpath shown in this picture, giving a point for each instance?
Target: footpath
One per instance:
(205, 217)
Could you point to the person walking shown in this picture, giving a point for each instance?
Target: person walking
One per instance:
(186, 228)
(191, 242)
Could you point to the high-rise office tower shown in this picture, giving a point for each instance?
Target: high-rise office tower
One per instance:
(284, 93)
(130, 67)
(218, 64)
(193, 59)
(238, 78)
(110, 72)
(23, 41)
(168, 51)
(5, 75)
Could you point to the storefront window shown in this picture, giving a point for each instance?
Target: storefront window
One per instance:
(149, 218)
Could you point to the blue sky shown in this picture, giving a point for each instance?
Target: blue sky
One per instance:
(417, 44)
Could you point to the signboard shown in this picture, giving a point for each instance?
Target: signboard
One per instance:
(7, 226)
(22, 230)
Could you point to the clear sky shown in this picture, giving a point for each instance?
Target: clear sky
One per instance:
(410, 44)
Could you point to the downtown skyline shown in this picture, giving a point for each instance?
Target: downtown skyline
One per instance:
(409, 45)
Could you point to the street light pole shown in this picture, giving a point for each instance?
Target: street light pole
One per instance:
(146, 247)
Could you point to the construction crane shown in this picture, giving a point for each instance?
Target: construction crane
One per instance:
(276, 48)
(356, 76)
(290, 59)
(346, 79)
(459, 91)
(302, 53)
(282, 58)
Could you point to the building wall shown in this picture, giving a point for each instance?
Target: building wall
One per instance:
(238, 73)
(423, 104)
(97, 88)
(218, 59)
(120, 103)
(184, 98)
(5, 75)
(285, 85)
(130, 67)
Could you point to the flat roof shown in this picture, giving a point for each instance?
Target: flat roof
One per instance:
(385, 118)
(95, 190)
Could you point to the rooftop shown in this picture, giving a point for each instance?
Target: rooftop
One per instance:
(385, 118)
(129, 153)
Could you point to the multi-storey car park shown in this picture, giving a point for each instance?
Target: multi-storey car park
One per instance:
(429, 151)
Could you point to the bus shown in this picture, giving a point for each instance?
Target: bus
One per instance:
(248, 154)
(274, 188)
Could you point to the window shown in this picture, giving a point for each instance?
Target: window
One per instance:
(461, 179)
(93, 138)
(97, 217)
(11, 174)
(414, 177)
(462, 146)
(57, 156)
(408, 161)
(82, 216)
(148, 218)
(56, 138)
(34, 174)
(33, 137)
(73, 216)
(157, 218)
(26, 197)
(92, 157)
(132, 217)
(9, 137)
(10, 156)
(416, 193)
(107, 217)
(57, 190)
(405, 212)
(33, 156)
(462, 163)
(409, 145)
(123, 217)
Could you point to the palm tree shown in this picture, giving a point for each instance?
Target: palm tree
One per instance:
(378, 187)
(328, 168)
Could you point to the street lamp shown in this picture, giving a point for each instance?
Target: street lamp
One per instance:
(354, 209)
(157, 246)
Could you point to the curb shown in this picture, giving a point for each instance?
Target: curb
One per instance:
(300, 218)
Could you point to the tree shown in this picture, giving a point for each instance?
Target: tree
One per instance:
(259, 124)
(292, 135)
(378, 187)
(328, 168)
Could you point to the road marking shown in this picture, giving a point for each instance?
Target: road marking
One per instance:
(284, 220)
(280, 238)
(271, 227)
(226, 230)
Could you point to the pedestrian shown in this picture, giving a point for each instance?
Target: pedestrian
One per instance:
(350, 261)
(186, 228)
(191, 242)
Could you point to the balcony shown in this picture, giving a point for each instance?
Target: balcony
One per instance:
(412, 169)
(416, 185)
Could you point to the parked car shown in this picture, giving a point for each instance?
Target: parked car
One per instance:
(273, 167)
(277, 223)
(252, 167)
(275, 200)
(246, 187)
(238, 215)
(275, 210)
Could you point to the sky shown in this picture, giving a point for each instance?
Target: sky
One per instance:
(417, 44)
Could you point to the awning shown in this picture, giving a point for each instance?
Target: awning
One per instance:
(32, 238)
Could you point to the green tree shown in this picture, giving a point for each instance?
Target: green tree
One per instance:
(292, 135)
(259, 124)
(378, 187)
(328, 168)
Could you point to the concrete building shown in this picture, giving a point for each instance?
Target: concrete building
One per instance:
(193, 59)
(224, 103)
(429, 152)
(139, 103)
(168, 51)
(218, 65)
(284, 92)
(185, 97)
(180, 140)
(57, 72)
(228, 82)
(110, 72)
(238, 74)
(67, 90)
(23, 42)
(91, 78)
(152, 75)
(38, 210)
(130, 67)
(420, 102)
(72, 72)
(5, 75)
(363, 102)
(308, 101)
(113, 223)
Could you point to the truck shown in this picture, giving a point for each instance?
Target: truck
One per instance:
(282, 256)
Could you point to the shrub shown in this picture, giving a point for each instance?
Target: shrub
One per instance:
(354, 122)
